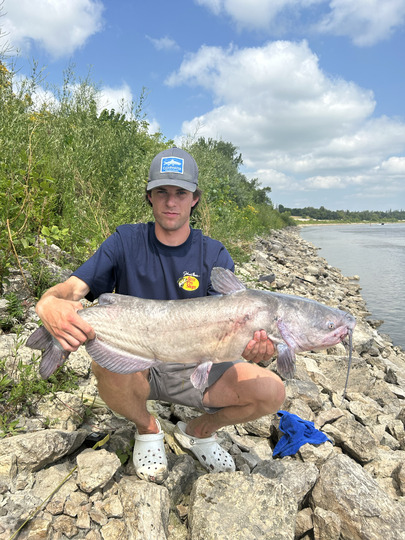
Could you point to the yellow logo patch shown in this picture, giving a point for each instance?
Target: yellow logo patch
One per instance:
(188, 283)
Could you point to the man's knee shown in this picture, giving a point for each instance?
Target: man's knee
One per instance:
(259, 387)
(268, 393)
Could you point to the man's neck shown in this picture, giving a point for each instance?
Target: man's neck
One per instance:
(172, 238)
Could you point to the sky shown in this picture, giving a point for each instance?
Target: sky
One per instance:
(311, 92)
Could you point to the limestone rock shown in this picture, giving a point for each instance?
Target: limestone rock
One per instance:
(96, 468)
(364, 509)
(34, 451)
(240, 506)
(146, 508)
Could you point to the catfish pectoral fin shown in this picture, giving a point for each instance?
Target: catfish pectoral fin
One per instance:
(285, 361)
(199, 377)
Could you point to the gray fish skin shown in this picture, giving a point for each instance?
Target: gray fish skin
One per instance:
(133, 334)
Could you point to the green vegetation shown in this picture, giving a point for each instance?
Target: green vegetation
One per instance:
(14, 312)
(345, 216)
(21, 388)
(71, 174)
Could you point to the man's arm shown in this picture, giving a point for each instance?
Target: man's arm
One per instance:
(259, 349)
(57, 308)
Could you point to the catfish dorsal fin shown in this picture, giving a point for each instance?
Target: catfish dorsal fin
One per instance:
(224, 281)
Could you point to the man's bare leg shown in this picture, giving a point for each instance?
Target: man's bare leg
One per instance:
(246, 392)
(127, 395)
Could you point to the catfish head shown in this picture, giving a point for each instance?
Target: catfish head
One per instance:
(306, 325)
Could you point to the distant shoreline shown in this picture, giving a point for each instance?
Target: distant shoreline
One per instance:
(376, 223)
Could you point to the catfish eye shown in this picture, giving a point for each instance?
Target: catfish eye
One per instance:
(331, 325)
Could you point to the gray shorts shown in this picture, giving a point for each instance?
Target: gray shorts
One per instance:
(171, 382)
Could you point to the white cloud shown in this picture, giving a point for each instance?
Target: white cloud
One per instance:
(325, 182)
(153, 126)
(256, 14)
(365, 22)
(297, 128)
(164, 43)
(120, 99)
(216, 6)
(394, 165)
(274, 100)
(59, 26)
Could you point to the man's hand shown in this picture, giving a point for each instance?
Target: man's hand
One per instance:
(61, 319)
(259, 349)
(58, 309)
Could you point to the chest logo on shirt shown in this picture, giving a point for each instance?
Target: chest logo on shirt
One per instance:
(188, 282)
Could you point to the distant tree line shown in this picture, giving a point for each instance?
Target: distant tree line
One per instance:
(323, 214)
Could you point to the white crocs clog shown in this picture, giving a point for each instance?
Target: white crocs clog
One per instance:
(208, 452)
(149, 456)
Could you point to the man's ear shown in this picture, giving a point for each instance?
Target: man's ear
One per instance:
(195, 201)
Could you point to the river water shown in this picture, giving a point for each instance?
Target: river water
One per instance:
(375, 253)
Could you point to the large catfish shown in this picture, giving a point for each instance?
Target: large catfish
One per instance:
(133, 334)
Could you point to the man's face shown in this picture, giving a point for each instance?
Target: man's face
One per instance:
(171, 206)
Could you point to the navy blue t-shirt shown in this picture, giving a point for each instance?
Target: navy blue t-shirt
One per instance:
(133, 261)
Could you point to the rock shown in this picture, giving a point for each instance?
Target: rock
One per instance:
(96, 468)
(298, 477)
(33, 451)
(310, 453)
(327, 524)
(364, 509)
(239, 506)
(260, 448)
(146, 508)
(353, 438)
(304, 522)
(57, 410)
(386, 469)
(181, 478)
(47, 480)
(399, 476)
(269, 278)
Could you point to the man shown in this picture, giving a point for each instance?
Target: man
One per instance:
(166, 259)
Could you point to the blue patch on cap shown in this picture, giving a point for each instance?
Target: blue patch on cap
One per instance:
(172, 164)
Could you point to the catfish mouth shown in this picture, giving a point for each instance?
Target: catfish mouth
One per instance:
(343, 334)
(339, 335)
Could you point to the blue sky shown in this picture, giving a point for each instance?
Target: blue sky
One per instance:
(311, 92)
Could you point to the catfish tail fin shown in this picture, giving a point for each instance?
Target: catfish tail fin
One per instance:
(53, 355)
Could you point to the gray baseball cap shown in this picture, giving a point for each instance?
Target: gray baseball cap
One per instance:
(173, 167)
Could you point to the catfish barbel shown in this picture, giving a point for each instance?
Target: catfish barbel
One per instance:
(133, 334)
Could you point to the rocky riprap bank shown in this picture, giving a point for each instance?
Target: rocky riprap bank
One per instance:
(351, 489)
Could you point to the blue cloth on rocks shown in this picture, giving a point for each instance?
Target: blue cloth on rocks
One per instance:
(297, 432)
